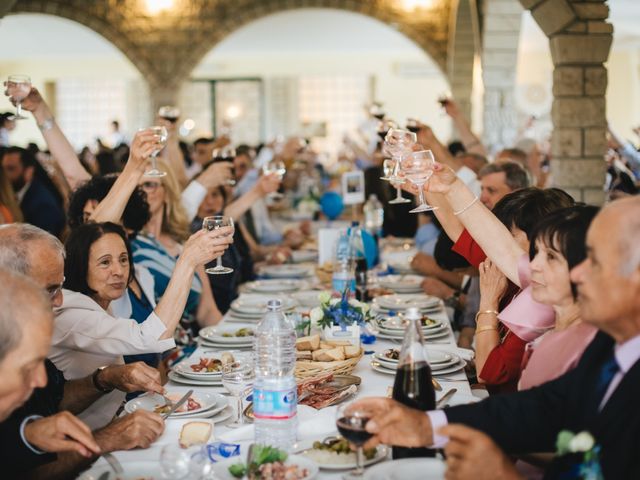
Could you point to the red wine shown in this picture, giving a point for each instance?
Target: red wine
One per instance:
(382, 134)
(414, 129)
(361, 279)
(413, 387)
(353, 429)
(379, 116)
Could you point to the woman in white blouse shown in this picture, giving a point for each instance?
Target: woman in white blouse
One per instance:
(97, 271)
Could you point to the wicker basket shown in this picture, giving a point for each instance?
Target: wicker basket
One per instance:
(308, 368)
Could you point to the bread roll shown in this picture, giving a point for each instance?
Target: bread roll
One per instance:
(351, 351)
(308, 343)
(195, 433)
(333, 355)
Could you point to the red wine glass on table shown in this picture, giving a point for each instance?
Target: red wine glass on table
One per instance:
(351, 422)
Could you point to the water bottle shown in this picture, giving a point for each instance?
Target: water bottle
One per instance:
(343, 266)
(274, 391)
(373, 216)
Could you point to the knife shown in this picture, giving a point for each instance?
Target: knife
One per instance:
(445, 398)
(178, 404)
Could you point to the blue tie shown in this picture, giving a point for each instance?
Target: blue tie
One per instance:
(607, 372)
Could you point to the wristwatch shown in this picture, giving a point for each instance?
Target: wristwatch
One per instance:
(96, 382)
(453, 300)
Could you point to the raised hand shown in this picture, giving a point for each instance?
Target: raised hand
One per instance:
(31, 102)
(215, 175)
(133, 377)
(268, 183)
(61, 432)
(493, 284)
(136, 430)
(144, 143)
(442, 179)
(204, 246)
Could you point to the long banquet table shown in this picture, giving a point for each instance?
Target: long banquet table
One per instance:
(313, 424)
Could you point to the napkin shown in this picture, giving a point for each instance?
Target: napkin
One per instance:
(327, 240)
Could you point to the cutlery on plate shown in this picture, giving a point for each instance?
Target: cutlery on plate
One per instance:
(445, 398)
(177, 405)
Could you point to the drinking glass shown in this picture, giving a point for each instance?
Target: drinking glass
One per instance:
(399, 143)
(279, 168)
(351, 424)
(18, 88)
(169, 113)
(238, 378)
(388, 165)
(418, 168)
(225, 154)
(161, 139)
(384, 126)
(413, 125)
(213, 223)
(174, 462)
(376, 110)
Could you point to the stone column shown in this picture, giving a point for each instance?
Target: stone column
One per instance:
(580, 40)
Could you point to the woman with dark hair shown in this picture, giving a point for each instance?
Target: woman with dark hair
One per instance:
(97, 272)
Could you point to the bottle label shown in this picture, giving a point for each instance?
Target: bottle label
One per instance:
(275, 404)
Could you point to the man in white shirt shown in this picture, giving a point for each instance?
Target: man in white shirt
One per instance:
(599, 395)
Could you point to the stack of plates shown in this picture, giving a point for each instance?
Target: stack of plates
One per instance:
(276, 286)
(253, 306)
(440, 361)
(211, 404)
(402, 283)
(400, 302)
(183, 373)
(393, 328)
(301, 256)
(237, 336)
(286, 271)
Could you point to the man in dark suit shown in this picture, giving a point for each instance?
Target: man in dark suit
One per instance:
(37, 202)
(601, 395)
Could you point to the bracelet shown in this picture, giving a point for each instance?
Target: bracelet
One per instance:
(46, 125)
(467, 207)
(486, 328)
(486, 312)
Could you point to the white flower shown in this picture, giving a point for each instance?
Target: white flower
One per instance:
(324, 297)
(582, 442)
(334, 301)
(315, 315)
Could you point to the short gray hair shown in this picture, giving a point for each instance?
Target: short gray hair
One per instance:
(21, 301)
(516, 176)
(15, 241)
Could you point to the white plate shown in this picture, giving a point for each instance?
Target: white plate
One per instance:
(225, 346)
(427, 332)
(404, 301)
(184, 367)
(434, 336)
(148, 402)
(274, 286)
(221, 469)
(435, 368)
(402, 283)
(390, 369)
(214, 382)
(134, 470)
(398, 323)
(301, 256)
(285, 271)
(253, 304)
(408, 469)
(435, 357)
(382, 451)
(213, 415)
(307, 298)
(217, 334)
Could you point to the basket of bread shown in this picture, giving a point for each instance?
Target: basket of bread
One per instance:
(315, 356)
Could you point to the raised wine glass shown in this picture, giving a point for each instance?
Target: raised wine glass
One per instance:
(388, 165)
(169, 113)
(18, 88)
(413, 125)
(399, 143)
(384, 126)
(161, 139)
(351, 423)
(418, 168)
(213, 223)
(279, 168)
(225, 154)
(238, 378)
(376, 110)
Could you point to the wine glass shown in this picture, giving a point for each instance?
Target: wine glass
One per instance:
(213, 223)
(161, 139)
(413, 125)
(225, 154)
(376, 110)
(351, 423)
(384, 126)
(418, 168)
(279, 168)
(18, 88)
(238, 378)
(388, 164)
(169, 113)
(174, 462)
(399, 143)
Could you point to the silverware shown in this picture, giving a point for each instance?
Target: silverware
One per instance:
(445, 398)
(435, 384)
(114, 464)
(178, 404)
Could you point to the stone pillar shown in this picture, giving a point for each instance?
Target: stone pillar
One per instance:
(501, 34)
(580, 40)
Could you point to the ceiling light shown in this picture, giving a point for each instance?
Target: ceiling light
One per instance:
(155, 7)
(410, 5)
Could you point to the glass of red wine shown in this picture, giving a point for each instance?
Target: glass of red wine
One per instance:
(351, 422)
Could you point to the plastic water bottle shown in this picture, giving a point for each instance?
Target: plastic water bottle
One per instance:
(343, 266)
(275, 396)
(373, 216)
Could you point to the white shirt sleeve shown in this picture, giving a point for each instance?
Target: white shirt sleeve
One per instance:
(192, 197)
(438, 420)
(470, 179)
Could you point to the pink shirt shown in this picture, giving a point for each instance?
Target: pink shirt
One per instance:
(555, 353)
(524, 316)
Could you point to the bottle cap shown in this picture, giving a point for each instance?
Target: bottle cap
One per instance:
(274, 304)
(413, 313)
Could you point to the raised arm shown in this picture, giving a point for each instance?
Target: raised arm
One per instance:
(469, 139)
(493, 237)
(58, 144)
(266, 184)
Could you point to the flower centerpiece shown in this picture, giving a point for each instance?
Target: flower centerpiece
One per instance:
(583, 447)
(340, 316)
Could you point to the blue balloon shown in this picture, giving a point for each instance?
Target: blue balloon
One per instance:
(331, 205)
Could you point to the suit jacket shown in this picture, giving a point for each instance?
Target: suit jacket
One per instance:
(15, 456)
(529, 421)
(40, 208)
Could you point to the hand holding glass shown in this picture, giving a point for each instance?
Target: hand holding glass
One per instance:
(161, 139)
(225, 154)
(213, 223)
(351, 423)
(18, 88)
(417, 167)
(278, 167)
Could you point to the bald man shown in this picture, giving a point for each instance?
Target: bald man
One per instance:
(599, 396)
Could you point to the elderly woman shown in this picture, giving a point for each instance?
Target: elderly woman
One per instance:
(98, 271)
